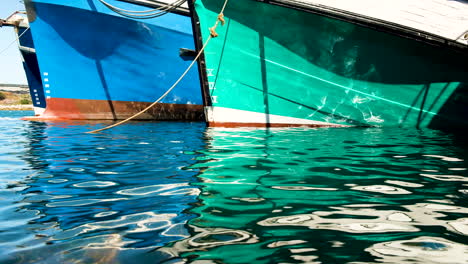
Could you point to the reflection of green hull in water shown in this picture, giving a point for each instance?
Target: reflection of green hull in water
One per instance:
(279, 196)
(276, 66)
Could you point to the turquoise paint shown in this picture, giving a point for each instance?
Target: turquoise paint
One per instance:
(275, 60)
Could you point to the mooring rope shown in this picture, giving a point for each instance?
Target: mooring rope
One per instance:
(213, 34)
(145, 14)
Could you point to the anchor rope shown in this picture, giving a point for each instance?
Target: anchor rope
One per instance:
(17, 39)
(220, 18)
(145, 14)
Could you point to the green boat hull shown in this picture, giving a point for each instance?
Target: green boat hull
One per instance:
(274, 65)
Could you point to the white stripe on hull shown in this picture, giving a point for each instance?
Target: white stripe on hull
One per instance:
(229, 115)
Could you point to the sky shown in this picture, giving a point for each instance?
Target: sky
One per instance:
(11, 68)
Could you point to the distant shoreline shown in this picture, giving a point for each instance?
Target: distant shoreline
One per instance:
(16, 107)
(14, 88)
(15, 99)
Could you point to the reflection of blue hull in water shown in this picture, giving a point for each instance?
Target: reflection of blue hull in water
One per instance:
(115, 201)
(96, 64)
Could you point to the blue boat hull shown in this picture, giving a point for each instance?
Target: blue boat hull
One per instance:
(96, 64)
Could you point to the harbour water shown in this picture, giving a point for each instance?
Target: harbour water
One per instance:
(175, 192)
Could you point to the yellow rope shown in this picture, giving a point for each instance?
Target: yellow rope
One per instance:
(212, 29)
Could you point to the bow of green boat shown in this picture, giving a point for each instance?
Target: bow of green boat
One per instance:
(331, 63)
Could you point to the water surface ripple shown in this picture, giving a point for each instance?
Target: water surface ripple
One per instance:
(71, 197)
(175, 192)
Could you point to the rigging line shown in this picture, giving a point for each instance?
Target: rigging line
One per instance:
(161, 13)
(136, 12)
(164, 11)
(149, 16)
(17, 39)
(218, 19)
(133, 11)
